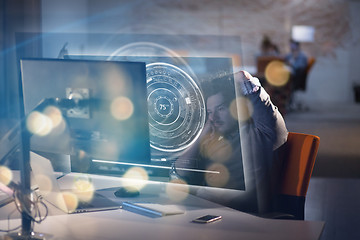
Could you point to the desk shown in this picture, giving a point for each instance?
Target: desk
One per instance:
(122, 224)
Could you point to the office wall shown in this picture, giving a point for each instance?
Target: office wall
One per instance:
(63, 16)
(334, 75)
(331, 79)
(2, 62)
(355, 51)
(15, 16)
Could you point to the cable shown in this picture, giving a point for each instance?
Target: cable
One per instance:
(20, 205)
(33, 211)
(12, 229)
(40, 201)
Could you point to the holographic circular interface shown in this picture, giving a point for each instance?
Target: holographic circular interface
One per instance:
(176, 107)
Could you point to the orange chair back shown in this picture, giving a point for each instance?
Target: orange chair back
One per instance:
(311, 62)
(299, 159)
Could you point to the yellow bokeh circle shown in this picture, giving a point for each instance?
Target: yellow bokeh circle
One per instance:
(277, 74)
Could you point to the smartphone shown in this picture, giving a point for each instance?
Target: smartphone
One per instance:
(207, 219)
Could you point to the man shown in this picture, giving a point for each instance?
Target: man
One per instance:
(250, 132)
(296, 59)
(298, 62)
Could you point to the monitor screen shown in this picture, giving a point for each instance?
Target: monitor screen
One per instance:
(182, 93)
(98, 111)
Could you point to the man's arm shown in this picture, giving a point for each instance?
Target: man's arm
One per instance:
(265, 116)
(261, 134)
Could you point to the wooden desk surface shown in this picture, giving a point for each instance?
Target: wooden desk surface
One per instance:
(122, 224)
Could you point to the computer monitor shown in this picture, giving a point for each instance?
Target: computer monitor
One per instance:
(178, 89)
(103, 107)
(170, 99)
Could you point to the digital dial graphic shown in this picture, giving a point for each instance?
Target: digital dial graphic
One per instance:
(176, 107)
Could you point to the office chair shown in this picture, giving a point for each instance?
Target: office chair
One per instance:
(294, 103)
(302, 85)
(298, 155)
(311, 62)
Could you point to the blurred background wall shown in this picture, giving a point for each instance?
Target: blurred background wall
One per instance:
(336, 44)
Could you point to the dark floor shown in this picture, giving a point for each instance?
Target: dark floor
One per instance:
(334, 190)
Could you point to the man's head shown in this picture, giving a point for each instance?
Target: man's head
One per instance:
(218, 110)
(294, 45)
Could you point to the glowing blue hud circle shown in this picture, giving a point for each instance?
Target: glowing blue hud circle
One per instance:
(176, 107)
(175, 103)
(148, 49)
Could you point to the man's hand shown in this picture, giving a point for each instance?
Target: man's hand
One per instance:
(246, 83)
(208, 130)
(242, 76)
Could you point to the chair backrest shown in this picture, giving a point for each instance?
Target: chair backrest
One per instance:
(301, 85)
(311, 62)
(298, 163)
(298, 156)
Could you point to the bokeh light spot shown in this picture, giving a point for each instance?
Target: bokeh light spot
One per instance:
(277, 74)
(111, 148)
(241, 109)
(136, 177)
(56, 117)
(177, 190)
(83, 189)
(71, 200)
(82, 161)
(6, 175)
(115, 81)
(39, 124)
(216, 148)
(217, 179)
(54, 114)
(122, 108)
(44, 183)
(82, 154)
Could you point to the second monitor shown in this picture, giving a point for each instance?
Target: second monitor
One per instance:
(99, 111)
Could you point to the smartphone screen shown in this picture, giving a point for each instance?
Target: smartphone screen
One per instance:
(207, 219)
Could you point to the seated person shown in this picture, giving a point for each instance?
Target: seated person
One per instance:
(231, 135)
(298, 62)
(269, 52)
(268, 48)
